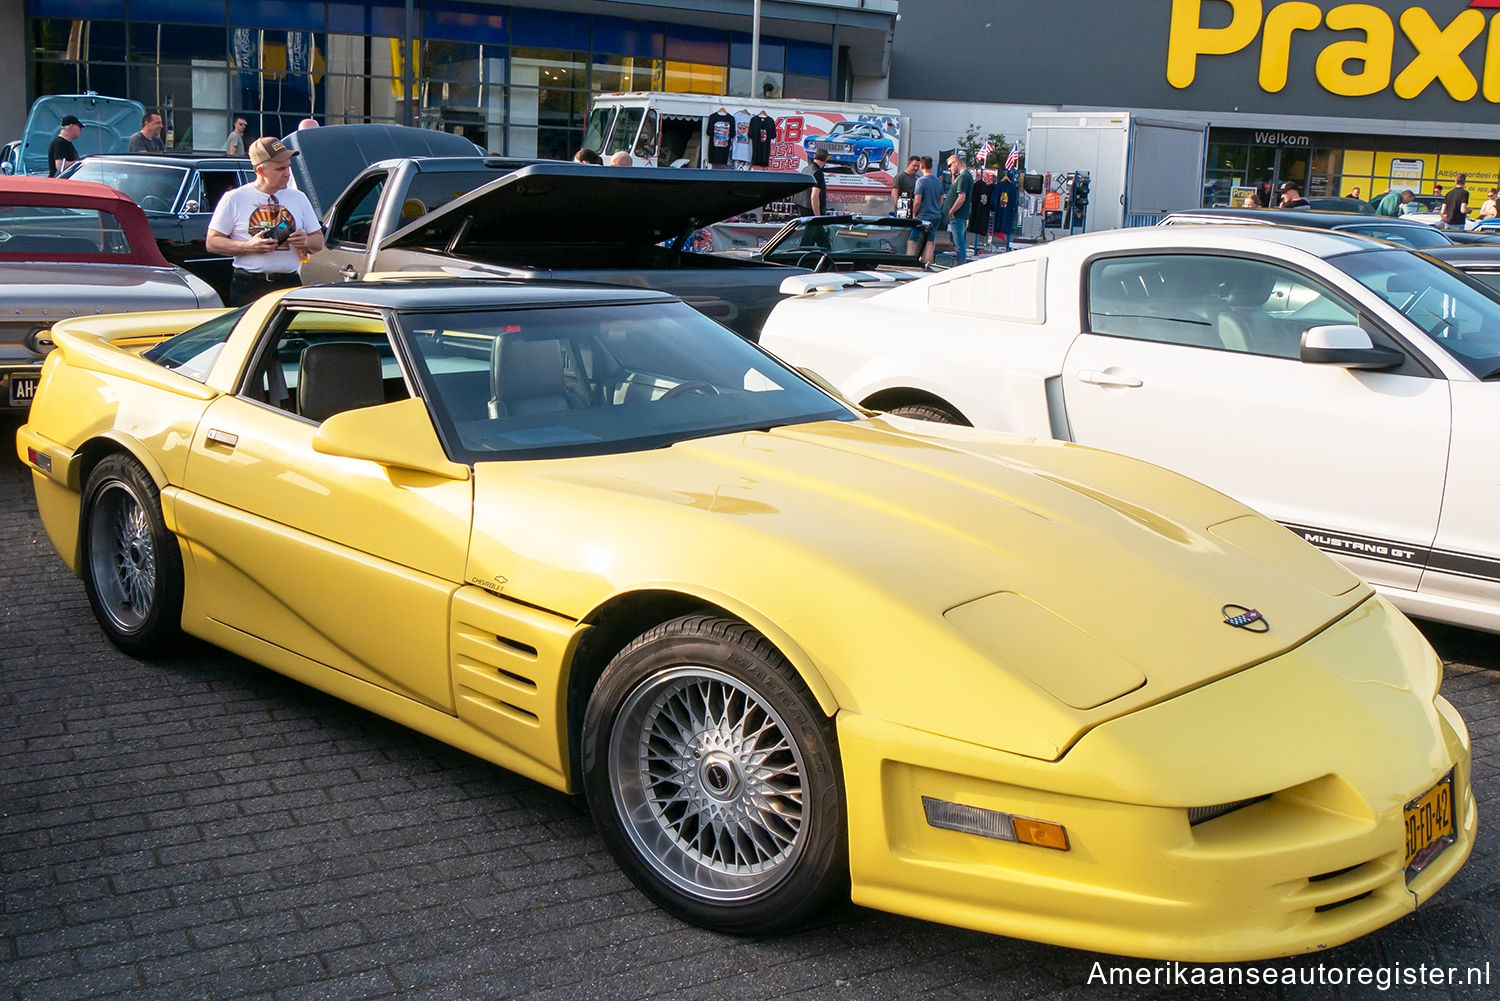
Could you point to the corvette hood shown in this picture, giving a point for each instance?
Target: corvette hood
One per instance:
(1056, 585)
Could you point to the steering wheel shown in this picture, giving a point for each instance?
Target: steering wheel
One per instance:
(155, 203)
(691, 386)
(820, 260)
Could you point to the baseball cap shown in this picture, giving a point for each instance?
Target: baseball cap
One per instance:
(266, 149)
(1287, 186)
(71, 120)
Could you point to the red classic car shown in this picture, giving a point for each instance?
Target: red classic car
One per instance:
(74, 248)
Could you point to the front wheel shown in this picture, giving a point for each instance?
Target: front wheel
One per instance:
(132, 567)
(861, 163)
(936, 413)
(714, 777)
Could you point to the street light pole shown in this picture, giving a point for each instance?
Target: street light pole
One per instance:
(754, 49)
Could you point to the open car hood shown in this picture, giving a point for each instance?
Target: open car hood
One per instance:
(108, 124)
(581, 203)
(333, 155)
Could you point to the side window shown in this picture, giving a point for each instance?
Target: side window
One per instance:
(212, 185)
(316, 363)
(1228, 303)
(351, 223)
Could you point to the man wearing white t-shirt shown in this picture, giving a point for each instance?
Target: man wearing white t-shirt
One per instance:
(265, 226)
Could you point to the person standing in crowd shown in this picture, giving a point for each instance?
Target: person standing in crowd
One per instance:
(1491, 207)
(621, 159)
(586, 155)
(927, 208)
(148, 139)
(266, 227)
(1456, 204)
(979, 215)
(956, 207)
(307, 123)
(62, 151)
(905, 188)
(820, 182)
(234, 145)
(1354, 194)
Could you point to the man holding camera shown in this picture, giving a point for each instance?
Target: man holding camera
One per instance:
(268, 228)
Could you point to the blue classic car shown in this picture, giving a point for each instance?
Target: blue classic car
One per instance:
(853, 144)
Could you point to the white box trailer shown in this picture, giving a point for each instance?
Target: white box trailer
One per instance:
(1139, 168)
(864, 141)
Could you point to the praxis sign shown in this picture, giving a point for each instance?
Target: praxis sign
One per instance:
(1352, 49)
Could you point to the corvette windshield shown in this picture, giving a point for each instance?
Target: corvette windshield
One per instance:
(587, 380)
(1460, 314)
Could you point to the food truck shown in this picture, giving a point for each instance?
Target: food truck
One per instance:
(735, 133)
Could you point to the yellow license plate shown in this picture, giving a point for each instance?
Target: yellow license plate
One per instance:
(1429, 825)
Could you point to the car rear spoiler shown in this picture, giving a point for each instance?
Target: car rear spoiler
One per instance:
(803, 284)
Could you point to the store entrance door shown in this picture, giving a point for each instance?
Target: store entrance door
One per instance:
(1291, 165)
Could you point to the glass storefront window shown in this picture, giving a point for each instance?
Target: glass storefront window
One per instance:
(624, 73)
(695, 78)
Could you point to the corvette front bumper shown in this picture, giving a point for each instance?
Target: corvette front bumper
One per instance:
(1325, 745)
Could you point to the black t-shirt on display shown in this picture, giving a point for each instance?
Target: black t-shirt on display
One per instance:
(720, 136)
(762, 132)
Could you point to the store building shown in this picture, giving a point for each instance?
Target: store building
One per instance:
(515, 78)
(1329, 94)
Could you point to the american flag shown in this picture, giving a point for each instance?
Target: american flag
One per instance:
(984, 152)
(1013, 160)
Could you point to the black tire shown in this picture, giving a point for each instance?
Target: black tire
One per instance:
(742, 850)
(933, 412)
(132, 566)
(862, 162)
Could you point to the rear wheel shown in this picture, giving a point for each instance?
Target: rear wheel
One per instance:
(132, 568)
(933, 412)
(714, 779)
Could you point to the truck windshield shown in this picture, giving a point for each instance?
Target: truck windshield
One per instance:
(622, 136)
(600, 120)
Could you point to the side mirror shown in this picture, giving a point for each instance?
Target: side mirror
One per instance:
(189, 206)
(1347, 346)
(397, 435)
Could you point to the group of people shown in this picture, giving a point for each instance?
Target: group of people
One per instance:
(619, 158)
(1265, 195)
(62, 152)
(918, 193)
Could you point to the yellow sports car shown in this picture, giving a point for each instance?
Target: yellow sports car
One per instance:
(787, 649)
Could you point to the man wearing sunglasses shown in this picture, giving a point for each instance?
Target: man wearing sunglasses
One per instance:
(268, 228)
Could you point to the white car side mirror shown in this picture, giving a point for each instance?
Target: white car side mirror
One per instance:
(1348, 346)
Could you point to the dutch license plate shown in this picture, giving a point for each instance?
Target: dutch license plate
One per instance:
(1429, 825)
(22, 389)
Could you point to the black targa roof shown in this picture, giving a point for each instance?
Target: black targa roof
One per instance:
(333, 155)
(560, 202)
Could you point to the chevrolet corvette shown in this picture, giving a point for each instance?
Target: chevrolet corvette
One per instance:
(787, 649)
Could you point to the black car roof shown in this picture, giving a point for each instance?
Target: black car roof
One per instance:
(176, 159)
(446, 294)
(1471, 254)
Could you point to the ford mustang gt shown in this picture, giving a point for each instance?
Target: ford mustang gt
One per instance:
(1345, 386)
(788, 650)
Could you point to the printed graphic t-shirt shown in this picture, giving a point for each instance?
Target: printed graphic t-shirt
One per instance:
(247, 211)
(720, 135)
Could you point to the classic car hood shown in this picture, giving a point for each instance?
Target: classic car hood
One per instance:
(1058, 585)
(331, 156)
(109, 122)
(580, 203)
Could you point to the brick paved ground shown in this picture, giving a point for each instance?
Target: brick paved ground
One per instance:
(203, 828)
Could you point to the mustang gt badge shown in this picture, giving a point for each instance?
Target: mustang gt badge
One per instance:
(1245, 618)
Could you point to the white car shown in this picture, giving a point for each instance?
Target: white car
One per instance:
(1346, 387)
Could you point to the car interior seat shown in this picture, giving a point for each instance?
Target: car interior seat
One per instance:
(336, 376)
(526, 377)
(1242, 322)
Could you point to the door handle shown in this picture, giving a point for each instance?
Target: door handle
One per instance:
(217, 437)
(1096, 378)
(347, 273)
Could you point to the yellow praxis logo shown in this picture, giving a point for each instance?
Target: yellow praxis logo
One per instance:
(1351, 67)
